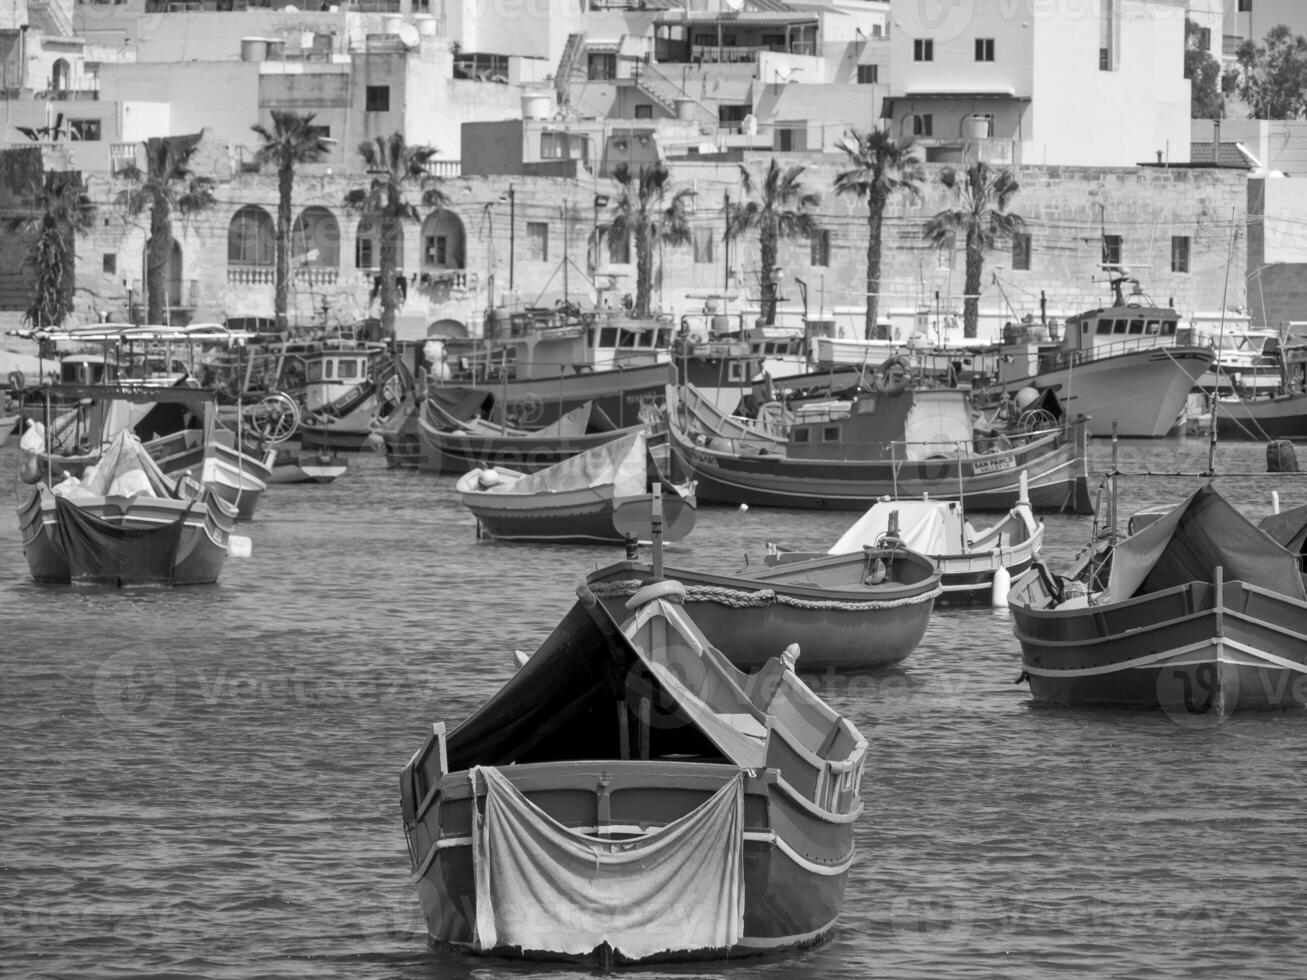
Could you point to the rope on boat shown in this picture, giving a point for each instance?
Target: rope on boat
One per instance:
(740, 599)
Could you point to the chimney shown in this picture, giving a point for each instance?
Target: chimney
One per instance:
(1216, 142)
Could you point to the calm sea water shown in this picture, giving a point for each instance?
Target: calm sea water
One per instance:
(204, 782)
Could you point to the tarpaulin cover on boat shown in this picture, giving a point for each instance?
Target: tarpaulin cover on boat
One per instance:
(931, 527)
(1287, 528)
(1188, 544)
(543, 886)
(620, 463)
(560, 704)
(124, 469)
(98, 551)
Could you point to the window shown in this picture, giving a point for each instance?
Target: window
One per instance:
(923, 49)
(1021, 251)
(702, 242)
(1111, 250)
(436, 250)
(364, 254)
(110, 263)
(84, 129)
(552, 146)
(776, 42)
(868, 74)
(644, 111)
(601, 67)
(984, 49)
(706, 40)
(1104, 59)
(1245, 6)
(820, 245)
(1204, 39)
(1179, 253)
(785, 140)
(830, 433)
(619, 249)
(377, 98)
(923, 124)
(728, 115)
(319, 132)
(537, 241)
(802, 435)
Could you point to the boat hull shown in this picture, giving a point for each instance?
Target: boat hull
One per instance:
(752, 618)
(454, 453)
(1191, 650)
(1281, 417)
(196, 559)
(795, 864)
(572, 516)
(1141, 392)
(1055, 466)
(625, 395)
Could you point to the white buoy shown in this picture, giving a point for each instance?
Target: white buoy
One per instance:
(239, 546)
(744, 508)
(1275, 501)
(1002, 584)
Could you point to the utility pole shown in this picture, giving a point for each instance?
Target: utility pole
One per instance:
(512, 233)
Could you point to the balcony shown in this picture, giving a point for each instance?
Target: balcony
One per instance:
(449, 278)
(444, 168)
(251, 275)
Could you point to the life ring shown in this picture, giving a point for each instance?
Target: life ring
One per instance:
(16, 380)
(628, 302)
(890, 381)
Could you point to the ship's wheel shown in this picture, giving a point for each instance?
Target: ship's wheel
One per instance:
(275, 418)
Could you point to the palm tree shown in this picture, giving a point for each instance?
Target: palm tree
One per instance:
(980, 216)
(393, 164)
(61, 211)
(882, 166)
(292, 140)
(779, 210)
(167, 186)
(639, 212)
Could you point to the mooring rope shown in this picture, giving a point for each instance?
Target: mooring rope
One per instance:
(741, 599)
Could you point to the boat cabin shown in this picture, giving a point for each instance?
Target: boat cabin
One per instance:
(911, 424)
(331, 373)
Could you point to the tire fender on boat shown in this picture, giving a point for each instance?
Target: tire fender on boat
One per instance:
(667, 589)
(891, 382)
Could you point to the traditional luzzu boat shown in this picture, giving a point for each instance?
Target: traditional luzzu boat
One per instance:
(975, 565)
(851, 611)
(451, 445)
(897, 441)
(177, 425)
(629, 796)
(125, 523)
(574, 500)
(1196, 612)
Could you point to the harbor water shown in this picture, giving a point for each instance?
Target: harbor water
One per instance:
(204, 782)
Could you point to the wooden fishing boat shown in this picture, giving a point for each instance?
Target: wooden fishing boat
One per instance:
(1126, 368)
(451, 445)
(897, 441)
(856, 611)
(177, 425)
(289, 465)
(350, 390)
(125, 523)
(975, 565)
(574, 500)
(629, 796)
(1196, 612)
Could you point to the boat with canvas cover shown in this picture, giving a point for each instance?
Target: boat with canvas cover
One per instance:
(1198, 611)
(450, 445)
(574, 500)
(899, 441)
(125, 523)
(975, 566)
(629, 796)
(850, 611)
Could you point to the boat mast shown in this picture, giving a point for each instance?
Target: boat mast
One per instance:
(1216, 401)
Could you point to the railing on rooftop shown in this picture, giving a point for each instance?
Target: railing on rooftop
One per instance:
(444, 168)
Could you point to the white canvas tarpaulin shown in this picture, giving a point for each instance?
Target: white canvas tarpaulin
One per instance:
(542, 886)
(928, 526)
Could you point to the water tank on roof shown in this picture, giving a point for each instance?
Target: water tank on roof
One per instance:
(276, 49)
(391, 23)
(976, 127)
(537, 105)
(254, 49)
(426, 25)
(685, 109)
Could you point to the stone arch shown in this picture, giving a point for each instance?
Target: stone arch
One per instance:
(315, 239)
(444, 242)
(251, 238)
(368, 244)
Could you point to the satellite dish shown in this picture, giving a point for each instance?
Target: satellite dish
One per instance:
(408, 34)
(734, 4)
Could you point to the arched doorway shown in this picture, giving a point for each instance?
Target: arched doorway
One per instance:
(60, 75)
(315, 240)
(251, 238)
(444, 244)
